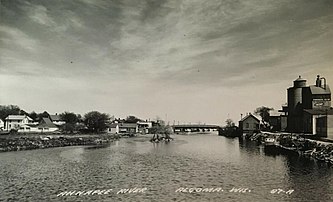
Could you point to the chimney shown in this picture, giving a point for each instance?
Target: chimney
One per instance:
(318, 81)
(323, 78)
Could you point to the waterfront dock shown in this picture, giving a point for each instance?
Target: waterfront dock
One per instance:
(320, 150)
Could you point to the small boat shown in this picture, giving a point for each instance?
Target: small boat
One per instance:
(270, 143)
(287, 150)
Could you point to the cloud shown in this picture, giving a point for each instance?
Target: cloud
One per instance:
(39, 14)
(14, 36)
(132, 49)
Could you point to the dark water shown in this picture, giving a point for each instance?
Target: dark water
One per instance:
(198, 161)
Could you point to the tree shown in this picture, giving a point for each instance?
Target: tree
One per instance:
(96, 121)
(6, 110)
(229, 123)
(132, 119)
(45, 114)
(263, 112)
(33, 115)
(160, 128)
(71, 120)
(79, 118)
(69, 117)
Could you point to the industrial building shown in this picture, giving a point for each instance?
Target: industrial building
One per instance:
(309, 108)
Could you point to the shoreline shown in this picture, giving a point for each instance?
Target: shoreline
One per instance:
(10, 143)
(318, 149)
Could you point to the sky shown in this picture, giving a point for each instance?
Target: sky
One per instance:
(185, 61)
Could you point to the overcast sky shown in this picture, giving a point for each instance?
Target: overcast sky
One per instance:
(181, 60)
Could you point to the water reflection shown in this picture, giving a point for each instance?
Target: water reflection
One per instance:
(188, 161)
(314, 177)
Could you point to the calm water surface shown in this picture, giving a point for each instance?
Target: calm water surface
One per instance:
(201, 161)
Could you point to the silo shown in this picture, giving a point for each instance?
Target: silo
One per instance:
(295, 94)
(294, 102)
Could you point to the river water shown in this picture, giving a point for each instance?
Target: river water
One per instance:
(210, 167)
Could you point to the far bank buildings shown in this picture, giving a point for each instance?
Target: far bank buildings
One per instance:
(308, 109)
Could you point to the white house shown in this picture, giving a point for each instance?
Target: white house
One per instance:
(18, 122)
(23, 123)
(125, 128)
(143, 126)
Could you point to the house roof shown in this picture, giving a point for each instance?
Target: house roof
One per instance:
(319, 111)
(122, 125)
(248, 116)
(18, 117)
(46, 123)
(315, 90)
(127, 125)
(112, 125)
(55, 117)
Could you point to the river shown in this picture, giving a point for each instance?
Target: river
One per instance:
(210, 167)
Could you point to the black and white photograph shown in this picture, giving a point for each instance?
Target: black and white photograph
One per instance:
(166, 100)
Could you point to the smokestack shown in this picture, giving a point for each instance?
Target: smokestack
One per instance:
(318, 81)
(324, 82)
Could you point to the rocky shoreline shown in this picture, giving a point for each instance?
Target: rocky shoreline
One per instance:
(321, 150)
(30, 142)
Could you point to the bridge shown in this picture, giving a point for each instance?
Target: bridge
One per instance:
(195, 128)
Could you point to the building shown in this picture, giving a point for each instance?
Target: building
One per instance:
(2, 124)
(17, 122)
(46, 125)
(295, 110)
(324, 126)
(307, 105)
(122, 128)
(113, 128)
(277, 121)
(144, 126)
(23, 123)
(314, 119)
(249, 124)
(56, 119)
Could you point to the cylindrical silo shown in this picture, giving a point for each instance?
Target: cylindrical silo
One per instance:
(294, 108)
(295, 94)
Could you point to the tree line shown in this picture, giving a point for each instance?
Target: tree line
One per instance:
(92, 121)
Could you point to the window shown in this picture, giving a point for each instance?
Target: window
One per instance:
(247, 125)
